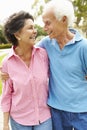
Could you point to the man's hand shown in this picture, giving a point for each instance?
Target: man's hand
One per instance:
(3, 76)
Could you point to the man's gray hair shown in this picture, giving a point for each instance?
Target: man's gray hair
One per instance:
(61, 8)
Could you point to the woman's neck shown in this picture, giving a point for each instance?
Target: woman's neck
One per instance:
(22, 51)
(25, 54)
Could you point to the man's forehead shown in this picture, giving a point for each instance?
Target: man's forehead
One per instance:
(48, 16)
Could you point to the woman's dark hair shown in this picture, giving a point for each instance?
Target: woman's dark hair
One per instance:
(14, 23)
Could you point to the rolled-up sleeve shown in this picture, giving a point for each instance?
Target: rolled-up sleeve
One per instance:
(7, 90)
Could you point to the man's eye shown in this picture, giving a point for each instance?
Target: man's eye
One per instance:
(48, 23)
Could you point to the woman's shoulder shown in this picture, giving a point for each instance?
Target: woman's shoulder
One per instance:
(40, 49)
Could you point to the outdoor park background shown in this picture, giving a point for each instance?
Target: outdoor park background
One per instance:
(36, 9)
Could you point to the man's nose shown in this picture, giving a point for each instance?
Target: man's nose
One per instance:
(45, 28)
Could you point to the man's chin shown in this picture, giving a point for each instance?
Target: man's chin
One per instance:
(51, 37)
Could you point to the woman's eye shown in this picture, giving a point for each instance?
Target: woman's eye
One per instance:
(31, 27)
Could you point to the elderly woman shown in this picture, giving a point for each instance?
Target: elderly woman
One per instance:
(67, 52)
(25, 93)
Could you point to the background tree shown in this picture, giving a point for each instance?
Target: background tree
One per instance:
(80, 7)
(37, 6)
(40, 31)
(2, 37)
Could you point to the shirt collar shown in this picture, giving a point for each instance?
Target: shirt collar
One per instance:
(12, 52)
(77, 37)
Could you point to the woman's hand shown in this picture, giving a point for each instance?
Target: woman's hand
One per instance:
(6, 121)
(6, 127)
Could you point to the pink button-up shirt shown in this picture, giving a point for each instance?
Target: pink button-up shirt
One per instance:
(25, 93)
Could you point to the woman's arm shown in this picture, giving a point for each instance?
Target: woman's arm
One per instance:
(6, 121)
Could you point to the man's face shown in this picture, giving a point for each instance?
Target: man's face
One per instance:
(52, 26)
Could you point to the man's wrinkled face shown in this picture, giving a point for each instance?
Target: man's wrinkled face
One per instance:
(52, 26)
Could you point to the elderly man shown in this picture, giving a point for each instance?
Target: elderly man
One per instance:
(67, 52)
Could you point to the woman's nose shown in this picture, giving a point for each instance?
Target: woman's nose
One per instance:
(35, 31)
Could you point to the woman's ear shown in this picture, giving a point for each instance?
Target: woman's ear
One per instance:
(17, 36)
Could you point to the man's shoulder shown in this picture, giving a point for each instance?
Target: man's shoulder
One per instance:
(45, 42)
(45, 39)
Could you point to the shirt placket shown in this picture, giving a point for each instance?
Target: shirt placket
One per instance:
(35, 97)
(35, 94)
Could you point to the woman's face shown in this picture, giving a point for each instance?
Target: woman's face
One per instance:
(27, 34)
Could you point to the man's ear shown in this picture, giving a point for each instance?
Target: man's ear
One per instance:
(64, 19)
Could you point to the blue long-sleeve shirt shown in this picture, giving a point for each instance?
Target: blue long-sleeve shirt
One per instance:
(68, 68)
